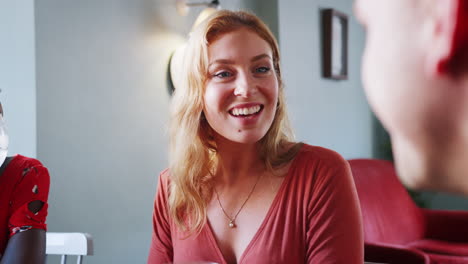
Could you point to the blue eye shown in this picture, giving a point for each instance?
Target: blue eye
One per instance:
(223, 74)
(262, 69)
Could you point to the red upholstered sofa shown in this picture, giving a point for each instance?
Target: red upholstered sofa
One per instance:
(396, 230)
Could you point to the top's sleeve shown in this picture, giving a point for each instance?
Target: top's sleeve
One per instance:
(33, 185)
(334, 233)
(161, 250)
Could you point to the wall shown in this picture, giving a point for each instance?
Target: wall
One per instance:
(444, 201)
(324, 112)
(102, 109)
(17, 74)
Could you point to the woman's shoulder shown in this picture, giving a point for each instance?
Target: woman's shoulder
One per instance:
(20, 161)
(19, 166)
(319, 156)
(26, 178)
(318, 168)
(163, 180)
(164, 173)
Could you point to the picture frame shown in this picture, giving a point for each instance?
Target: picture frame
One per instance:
(335, 44)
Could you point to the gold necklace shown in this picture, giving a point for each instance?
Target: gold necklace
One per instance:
(232, 221)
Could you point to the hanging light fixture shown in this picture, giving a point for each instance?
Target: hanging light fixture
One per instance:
(183, 6)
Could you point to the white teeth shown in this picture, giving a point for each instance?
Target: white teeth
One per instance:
(246, 111)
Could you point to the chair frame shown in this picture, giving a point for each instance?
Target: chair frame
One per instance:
(68, 244)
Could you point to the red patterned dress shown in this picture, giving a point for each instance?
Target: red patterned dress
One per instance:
(24, 180)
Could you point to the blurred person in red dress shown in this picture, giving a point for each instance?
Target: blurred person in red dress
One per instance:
(24, 189)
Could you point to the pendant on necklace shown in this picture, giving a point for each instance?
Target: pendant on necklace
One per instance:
(232, 224)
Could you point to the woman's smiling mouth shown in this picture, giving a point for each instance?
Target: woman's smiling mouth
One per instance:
(246, 110)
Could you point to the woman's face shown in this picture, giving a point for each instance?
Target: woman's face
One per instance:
(241, 91)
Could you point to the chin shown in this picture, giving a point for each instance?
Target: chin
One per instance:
(248, 140)
(424, 177)
(410, 177)
(243, 137)
(412, 166)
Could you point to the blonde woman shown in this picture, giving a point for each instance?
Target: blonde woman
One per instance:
(238, 189)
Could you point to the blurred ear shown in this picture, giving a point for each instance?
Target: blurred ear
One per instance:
(441, 47)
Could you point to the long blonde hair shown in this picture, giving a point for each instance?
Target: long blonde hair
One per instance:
(193, 158)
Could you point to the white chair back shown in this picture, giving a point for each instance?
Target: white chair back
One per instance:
(66, 244)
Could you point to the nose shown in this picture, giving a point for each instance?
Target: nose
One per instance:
(245, 85)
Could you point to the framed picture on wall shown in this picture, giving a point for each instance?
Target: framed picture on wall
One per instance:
(335, 44)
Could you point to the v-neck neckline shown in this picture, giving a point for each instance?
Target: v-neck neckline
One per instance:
(273, 206)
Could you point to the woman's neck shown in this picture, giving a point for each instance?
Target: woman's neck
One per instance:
(237, 161)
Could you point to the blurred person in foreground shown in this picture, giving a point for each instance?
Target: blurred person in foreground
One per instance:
(415, 74)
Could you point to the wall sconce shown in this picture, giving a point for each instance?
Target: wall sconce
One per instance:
(183, 6)
(175, 61)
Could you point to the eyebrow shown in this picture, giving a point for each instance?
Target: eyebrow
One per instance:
(227, 61)
(261, 56)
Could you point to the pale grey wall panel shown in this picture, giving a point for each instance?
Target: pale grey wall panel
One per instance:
(324, 112)
(17, 74)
